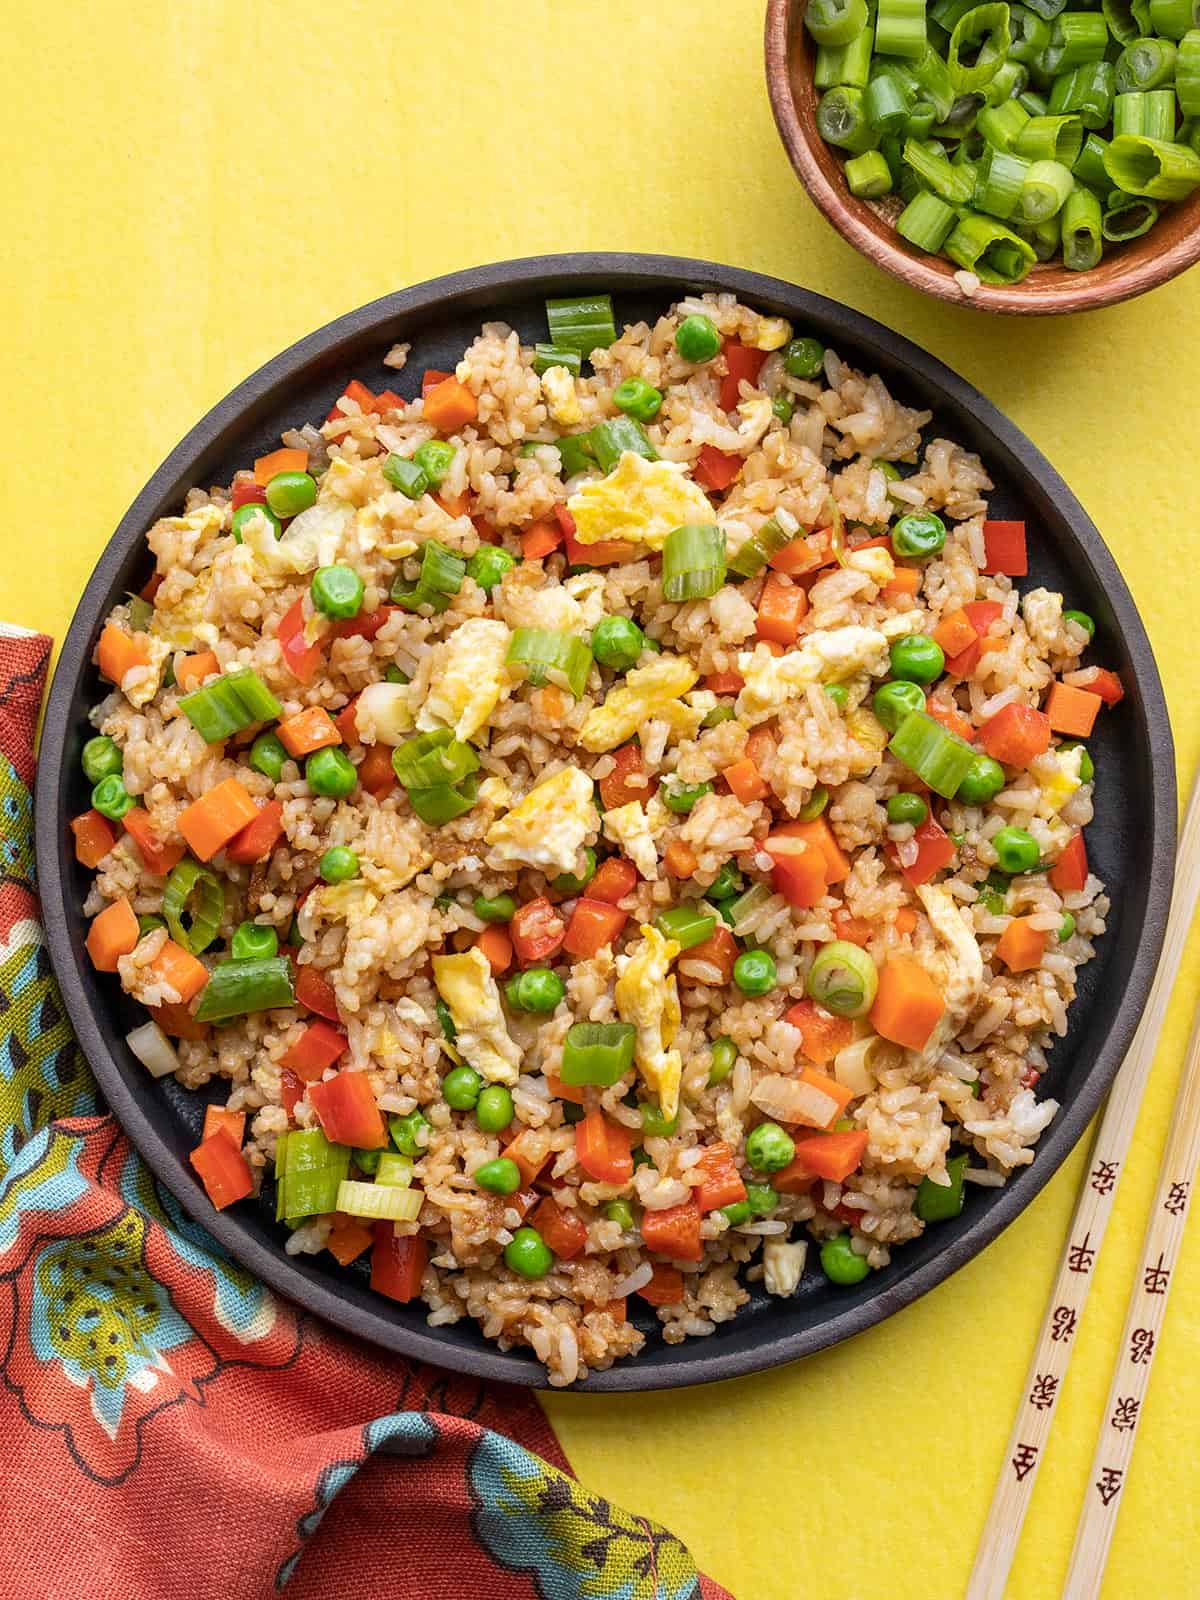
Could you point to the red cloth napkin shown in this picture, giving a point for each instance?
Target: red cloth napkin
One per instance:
(170, 1426)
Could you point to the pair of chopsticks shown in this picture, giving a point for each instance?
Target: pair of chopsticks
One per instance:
(1148, 1300)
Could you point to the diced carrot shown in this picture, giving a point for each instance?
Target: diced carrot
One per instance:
(980, 614)
(1069, 874)
(721, 1184)
(665, 1287)
(1015, 735)
(819, 834)
(615, 878)
(561, 1227)
(908, 1004)
(724, 683)
(855, 930)
(604, 1149)
(431, 378)
(954, 632)
(1021, 946)
(454, 505)
(835, 1093)
(674, 1232)
(234, 1123)
(309, 730)
(119, 652)
(531, 1152)
(800, 871)
(716, 469)
(1107, 685)
(615, 1309)
(223, 1169)
(593, 924)
(94, 838)
(317, 1048)
(539, 539)
(113, 934)
(159, 854)
(375, 771)
(904, 580)
(745, 780)
(536, 931)
(496, 946)
(935, 850)
(549, 701)
(782, 607)
(286, 460)
(177, 1021)
(191, 671)
(680, 859)
(628, 779)
(760, 747)
(822, 1034)
(179, 970)
(904, 920)
(1004, 549)
(833, 1156)
(563, 1091)
(603, 553)
(450, 405)
(719, 950)
(805, 555)
(258, 838)
(315, 993)
(742, 364)
(346, 723)
(348, 1238)
(210, 822)
(301, 658)
(951, 718)
(1071, 710)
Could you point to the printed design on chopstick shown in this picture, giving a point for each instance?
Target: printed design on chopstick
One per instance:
(93, 1343)
(533, 1519)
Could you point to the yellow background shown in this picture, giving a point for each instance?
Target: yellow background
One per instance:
(190, 185)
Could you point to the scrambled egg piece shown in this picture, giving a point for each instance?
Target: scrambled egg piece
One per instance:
(646, 692)
(140, 684)
(639, 500)
(1057, 774)
(468, 678)
(466, 984)
(960, 966)
(647, 996)
(524, 600)
(826, 656)
(336, 902)
(876, 563)
(549, 828)
(558, 391)
(772, 333)
(631, 830)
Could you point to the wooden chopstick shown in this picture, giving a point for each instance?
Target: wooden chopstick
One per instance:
(1093, 1208)
(1139, 1338)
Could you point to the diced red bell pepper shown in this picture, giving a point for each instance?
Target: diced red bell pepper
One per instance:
(359, 393)
(258, 838)
(604, 1148)
(593, 924)
(94, 838)
(530, 1152)
(398, 1264)
(376, 773)
(628, 779)
(665, 1287)
(365, 625)
(724, 683)
(615, 878)
(601, 554)
(346, 1109)
(741, 362)
(348, 1238)
(539, 539)
(981, 613)
(950, 718)
(674, 1232)
(721, 1184)
(822, 1034)
(536, 930)
(159, 854)
(318, 1047)
(431, 379)
(1107, 685)
(1004, 549)
(716, 469)
(315, 993)
(300, 658)
(345, 722)
(719, 950)
(388, 400)
(291, 1090)
(247, 493)
(1069, 874)
(222, 1168)
(561, 1227)
(1016, 735)
(935, 850)
(827, 1155)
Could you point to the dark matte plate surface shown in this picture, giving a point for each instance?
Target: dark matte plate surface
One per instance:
(1131, 843)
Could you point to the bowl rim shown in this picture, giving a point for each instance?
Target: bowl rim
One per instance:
(437, 297)
(913, 268)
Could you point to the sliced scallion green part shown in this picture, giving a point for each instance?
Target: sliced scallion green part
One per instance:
(394, 1169)
(380, 1202)
(937, 756)
(236, 988)
(1187, 73)
(433, 758)
(551, 656)
(746, 906)
(868, 175)
(546, 356)
(1089, 164)
(1010, 78)
(576, 454)
(1122, 23)
(1082, 242)
(847, 65)
(444, 801)
(982, 33)
(1050, 139)
(842, 120)
(597, 1053)
(950, 183)
(440, 578)
(1128, 216)
(933, 79)
(693, 562)
(228, 705)
(990, 250)
(1172, 19)
(1001, 180)
(1160, 115)
(611, 439)
(309, 1169)
(1146, 64)
(584, 324)
(886, 101)
(835, 22)
(194, 892)
(1087, 92)
(1076, 37)
(900, 28)
(752, 555)
(1001, 125)
(926, 221)
(1045, 189)
(687, 925)
(1030, 34)
(1152, 167)
(407, 475)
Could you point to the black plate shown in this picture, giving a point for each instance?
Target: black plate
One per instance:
(1131, 843)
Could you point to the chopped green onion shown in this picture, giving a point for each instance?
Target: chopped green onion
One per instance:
(1010, 79)
(584, 324)
(939, 1202)
(309, 1170)
(752, 555)
(597, 1053)
(576, 454)
(949, 183)
(1032, 102)
(845, 65)
(1047, 9)
(1082, 244)
(1160, 115)
(380, 1202)
(406, 475)
(1076, 37)
(1146, 64)
(236, 988)
(393, 1168)
(1089, 164)
(611, 439)
(900, 28)
(842, 120)
(682, 799)
(693, 562)
(194, 892)
(886, 101)
(1187, 73)
(926, 221)
(933, 79)
(868, 175)
(989, 249)
(843, 978)
(433, 758)
(1001, 182)
(746, 906)
(687, 925)
(1050, 139)
(1001, 125)
(984, 30)
(1122, 23)
(1030, 35)
(444, 802)
(835, 22)
(229, 704)
(937, 756)
(440, 578)
(551, 656)
(1128, 217)
(638, 399)
(1152, 167)
(546, 356)
(1087, 92)
(1045, 189)
(1172, 19)
(919, 126)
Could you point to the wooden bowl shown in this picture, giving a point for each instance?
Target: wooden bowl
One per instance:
(1171, 246)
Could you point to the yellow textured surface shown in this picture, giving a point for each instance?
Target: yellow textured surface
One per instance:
(190, 186)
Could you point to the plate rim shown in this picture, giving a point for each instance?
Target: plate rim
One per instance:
(629, 272)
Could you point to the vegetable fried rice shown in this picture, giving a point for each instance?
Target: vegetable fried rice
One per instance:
(607, 824)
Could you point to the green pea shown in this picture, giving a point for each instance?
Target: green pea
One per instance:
(435, 458)
(737, 1213)
(152, 925)
(460, 1088)
(839, 694)
(494, 1109)
(111, 798)
(617, 643)
(267, 755)
(697, 339)
(528, 1254)
(782, 407)
(761, 1198)
(252, 941)
(754, 972)
(724, 1054)
(330, 773)
(917, 658)
(290, 493)
(726, 884)
(573, 882)
(337, 591)
(769, 1148)
(1066, 927)
(815, 804)
(1087, 770)
(655, 1125)
(1082, 620)
(488, 565)
(250, 513)
(893, 701)
(804, 358)
(338, 865)
(537, 989)
(918, 535)
(841, 1263)
(367, 1161)
(100, 758)
(620, 1212)
(445, 1020)
(718, 715)
(907, 808)
(682, 799)
(983, 782)
(502, 1176)
(406, 1132)
(498, 908)
(637, 398)
(1016, 850)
